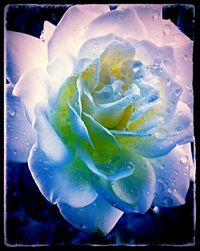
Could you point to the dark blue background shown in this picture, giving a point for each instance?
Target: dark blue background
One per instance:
(31, 219)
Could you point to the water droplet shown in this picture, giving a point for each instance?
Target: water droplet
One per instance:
(83, 227)
(180, 113)
(179, 128)
(136, 66)
(169, 190)
(185, 57)
(15, 152)
(176, 172)
(156, 209)
(157, 62)
(148, 192)
(12, 113)
(162, 166)
(27, 143)
(168, 201)
(160, 186)
(177, 91)
(155, 15)
(42, 36)
(184, 159)
(16, 137)
(166, 29)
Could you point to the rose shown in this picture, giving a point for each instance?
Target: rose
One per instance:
(111, 110)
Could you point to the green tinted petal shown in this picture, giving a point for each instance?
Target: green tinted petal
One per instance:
(134, 193)
(70, 93)
(108, 157)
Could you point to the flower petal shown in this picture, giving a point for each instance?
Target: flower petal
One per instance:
(77, 126)
(62, 181)
(165, 137)
(94, 47)
(185, 72)
(47, 139)
(173, 178)
(70, 30)
(119, 23)
(48, 29)
(59, 70)
(149, 53)
(99, 216)
(189, 152)
(20, 135)
(134, 193)
(107, 159)
(23, 53)
(32, 87)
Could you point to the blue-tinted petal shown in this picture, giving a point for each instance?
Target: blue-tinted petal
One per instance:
(32, 87)
(47, 138)
(134, 193)
(172, 178)
(98, 217)
(61, 181)
(20, 135)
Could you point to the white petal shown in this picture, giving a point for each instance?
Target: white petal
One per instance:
(61, 181)
(191, 160)
(48, 30)
(123, 23)
(47, 139)
(173, 178)
(94, 47)
(148, 53)
(71, 28)
(23, 53)
(59, 70)
(184, 56)
(98, 217)
(151, 16)
(172, 35)
(20, 135)
(32, 87)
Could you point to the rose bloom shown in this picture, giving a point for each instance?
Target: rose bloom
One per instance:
(101, 109)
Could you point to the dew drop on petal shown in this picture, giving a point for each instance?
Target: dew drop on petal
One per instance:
(155, 15)
(160, 185)
(169, 190)
(168, 83)
(166, 29)
(184, 159)
(156, 209)
(12, 113)
(42, 36)
(168, 201)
